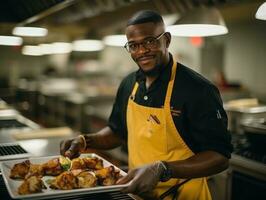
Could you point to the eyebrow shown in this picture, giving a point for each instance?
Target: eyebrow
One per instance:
(130, 42)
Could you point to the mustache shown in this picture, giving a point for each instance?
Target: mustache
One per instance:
(144, 56)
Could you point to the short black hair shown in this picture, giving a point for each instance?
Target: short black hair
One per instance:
(145, 16)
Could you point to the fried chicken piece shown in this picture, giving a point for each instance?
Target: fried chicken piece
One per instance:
(35, 170)
(107, 176)
(33, 184)
(52, 167)
(20, 170)
(78, 163)
(76, 172)
(93, 163)
(86, 179)
(65, 181)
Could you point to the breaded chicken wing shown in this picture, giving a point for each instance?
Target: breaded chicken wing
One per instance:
(65, 181)
(35, 170)
(86, 179)
(78, 163)
(33, 184)
(20, 170)
(107, 176)
(52, 167)
(93, 163)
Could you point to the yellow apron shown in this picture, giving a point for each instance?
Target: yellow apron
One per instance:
(152, 136)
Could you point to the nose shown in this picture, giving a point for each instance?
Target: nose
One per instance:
(142, 49)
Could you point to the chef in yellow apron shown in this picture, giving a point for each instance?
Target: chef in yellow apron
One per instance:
(166, 146)
(150, 141)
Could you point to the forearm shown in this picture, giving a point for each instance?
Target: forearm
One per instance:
(104, 139)
(200, 165)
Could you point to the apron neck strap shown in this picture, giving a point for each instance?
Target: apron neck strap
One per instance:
(169, 88)
(132, 96)
(170, 85)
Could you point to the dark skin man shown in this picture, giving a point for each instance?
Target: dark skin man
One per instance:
(150, 56)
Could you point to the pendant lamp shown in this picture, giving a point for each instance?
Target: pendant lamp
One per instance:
(261, 12)
(199, 22)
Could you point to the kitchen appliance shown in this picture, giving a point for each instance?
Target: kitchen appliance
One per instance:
(248, 163)
(11, 119)
(12, 151)
(238, 114)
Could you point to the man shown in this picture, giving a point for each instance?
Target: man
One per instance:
(171, 117)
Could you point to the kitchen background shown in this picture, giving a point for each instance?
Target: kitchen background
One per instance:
(77, 89)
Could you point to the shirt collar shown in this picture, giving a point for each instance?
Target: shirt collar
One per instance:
(163, 76)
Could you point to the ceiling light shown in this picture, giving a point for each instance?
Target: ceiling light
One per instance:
(87, 45)
(46, 48)
(30, 31)
(115, 40)
(61, 47)
(31, 50)
(261, 12)
(200, 22)
(10, 40)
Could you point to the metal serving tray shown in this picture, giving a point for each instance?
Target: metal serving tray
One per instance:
(12, 185)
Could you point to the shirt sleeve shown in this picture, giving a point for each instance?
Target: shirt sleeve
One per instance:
(208, 122)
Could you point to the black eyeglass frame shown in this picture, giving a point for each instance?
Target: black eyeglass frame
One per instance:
(126, 46)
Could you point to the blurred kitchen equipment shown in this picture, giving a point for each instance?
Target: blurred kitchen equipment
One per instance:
(247, 166)
(255, 132)
(96, 113)
(243, 110)
(12, 151)
(10, 119)
(42, 133)
(74, 109)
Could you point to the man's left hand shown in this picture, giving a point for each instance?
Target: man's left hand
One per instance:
(142, 180)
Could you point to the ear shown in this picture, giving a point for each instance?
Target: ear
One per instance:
(168, 38)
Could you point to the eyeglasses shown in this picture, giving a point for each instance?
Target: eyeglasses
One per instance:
(148, 43)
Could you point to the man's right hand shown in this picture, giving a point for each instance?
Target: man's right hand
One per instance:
(71, 148)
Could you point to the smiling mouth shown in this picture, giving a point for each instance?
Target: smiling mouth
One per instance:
(145, 59)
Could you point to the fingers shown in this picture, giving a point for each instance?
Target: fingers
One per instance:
(71, 155)
(125, 179)
(131, 188)
(142, 180)
(74, 149)
(130, 177)
(64, 146)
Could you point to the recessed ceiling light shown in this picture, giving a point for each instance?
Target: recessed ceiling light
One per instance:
(87, 45)
(30, 31)
(61, 47)
(32, 50)
(10, 40)
(115, 40)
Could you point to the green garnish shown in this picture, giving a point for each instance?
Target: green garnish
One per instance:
(65, 163)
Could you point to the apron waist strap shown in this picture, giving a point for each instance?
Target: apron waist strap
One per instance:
(173, 190)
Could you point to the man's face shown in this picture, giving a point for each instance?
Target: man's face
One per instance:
(139, 36)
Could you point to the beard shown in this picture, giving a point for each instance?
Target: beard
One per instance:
(155, 71)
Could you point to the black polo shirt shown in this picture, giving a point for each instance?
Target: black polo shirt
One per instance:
(196, 107)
